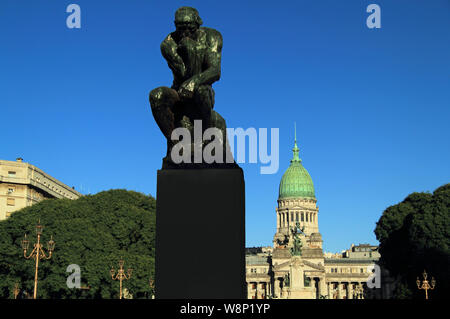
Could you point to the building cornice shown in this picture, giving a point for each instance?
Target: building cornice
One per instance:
(35, 181)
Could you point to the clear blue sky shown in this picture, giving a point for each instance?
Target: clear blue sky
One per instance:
(372, 106)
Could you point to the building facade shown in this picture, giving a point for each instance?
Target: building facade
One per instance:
(22, 185)
(296, 266)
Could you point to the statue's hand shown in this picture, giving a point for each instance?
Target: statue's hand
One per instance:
(186, 90)
(187, 43)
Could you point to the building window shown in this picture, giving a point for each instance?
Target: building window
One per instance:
(303, 219)
(296, 216)
(362, 270)
(10, 202)
(12, 174)
(11, 189)
(306, 280)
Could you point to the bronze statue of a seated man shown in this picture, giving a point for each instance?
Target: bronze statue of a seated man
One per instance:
(193, 53)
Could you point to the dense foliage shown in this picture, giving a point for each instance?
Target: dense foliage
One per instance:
(93, 232)
(414, 236)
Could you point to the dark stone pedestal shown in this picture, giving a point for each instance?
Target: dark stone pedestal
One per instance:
(200, 234)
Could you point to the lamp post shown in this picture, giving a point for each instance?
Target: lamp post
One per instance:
(120, 275)
(425, 285)
(152, 286)
(38, 252)
(16, 290)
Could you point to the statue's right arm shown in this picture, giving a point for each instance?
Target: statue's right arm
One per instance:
(175, 62)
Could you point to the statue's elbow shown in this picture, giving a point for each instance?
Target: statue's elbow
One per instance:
(164, 50)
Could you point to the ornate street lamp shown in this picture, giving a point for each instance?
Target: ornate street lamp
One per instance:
(16, 290)
(120, 275)
(38, 252)
(425, 285)
(152, 286)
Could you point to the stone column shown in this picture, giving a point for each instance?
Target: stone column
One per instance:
(277, 291)
(287, 218)
(248, 290)
(322, 286)
(350, 290)
(264, 290)
(362, 290)
(339, 289)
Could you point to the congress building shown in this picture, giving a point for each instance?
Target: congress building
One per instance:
(296, 266)
(22, 185)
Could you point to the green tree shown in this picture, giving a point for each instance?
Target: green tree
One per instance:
(93, 232)
(415, 235)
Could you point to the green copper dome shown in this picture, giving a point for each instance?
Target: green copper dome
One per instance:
(296, 181)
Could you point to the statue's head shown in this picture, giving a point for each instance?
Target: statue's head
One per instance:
(187, 20)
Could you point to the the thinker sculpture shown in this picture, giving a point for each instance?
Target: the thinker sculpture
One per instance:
(187, 189)
(193, 53)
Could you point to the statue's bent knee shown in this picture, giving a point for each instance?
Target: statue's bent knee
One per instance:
(154, 96)
(162, 95)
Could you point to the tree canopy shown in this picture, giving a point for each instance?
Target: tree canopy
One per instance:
(414, 236)
(93, 232)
